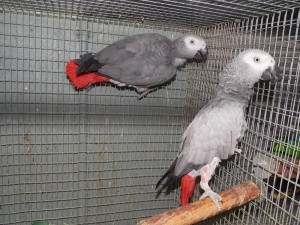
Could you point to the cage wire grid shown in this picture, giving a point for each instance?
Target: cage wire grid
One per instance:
(273, 114)
(82, 157)
(93, 157)
(189, 14)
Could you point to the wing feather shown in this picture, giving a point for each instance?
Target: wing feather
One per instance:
(213, 133)
(139, 60)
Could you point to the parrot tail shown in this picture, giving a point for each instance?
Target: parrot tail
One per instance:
(187, 188)
(84, 80)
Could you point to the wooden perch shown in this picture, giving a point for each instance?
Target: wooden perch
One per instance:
(206, 208)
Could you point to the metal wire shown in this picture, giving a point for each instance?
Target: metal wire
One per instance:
(272, 117)
(79, 157)
(93, 157)
(188, 14)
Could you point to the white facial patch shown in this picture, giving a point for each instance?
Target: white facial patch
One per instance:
(194, 43)
(258, 61)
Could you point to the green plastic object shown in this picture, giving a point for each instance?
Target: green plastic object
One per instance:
(291, 149)
(40, 223)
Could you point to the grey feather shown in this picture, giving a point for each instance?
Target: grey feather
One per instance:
(212, 133)
(143, 60)
(218, 126)
(140, 60)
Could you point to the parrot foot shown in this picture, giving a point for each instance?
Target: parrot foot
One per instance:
(214, 196)
(206, 173)
(238, 150)
(144, 91)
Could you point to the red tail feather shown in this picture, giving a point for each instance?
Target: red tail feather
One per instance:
(84, 80)
(187, 188)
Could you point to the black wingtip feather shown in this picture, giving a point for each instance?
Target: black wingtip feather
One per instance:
(169, 175)
(87, 63)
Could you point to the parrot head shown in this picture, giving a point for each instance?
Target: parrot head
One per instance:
(191, 47)
(249, 67)
(260, 66)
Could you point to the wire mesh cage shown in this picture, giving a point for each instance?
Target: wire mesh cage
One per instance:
(94, 157)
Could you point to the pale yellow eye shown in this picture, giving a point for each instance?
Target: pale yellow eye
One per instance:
(192, 42)
(256, 59)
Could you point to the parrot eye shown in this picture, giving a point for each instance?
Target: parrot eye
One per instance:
(256, 59)
(192, 42)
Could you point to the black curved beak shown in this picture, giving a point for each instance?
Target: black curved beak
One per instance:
(272, 75)
(201, 55)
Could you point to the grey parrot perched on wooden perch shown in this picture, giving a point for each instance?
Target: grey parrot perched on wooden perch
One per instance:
(214, 132)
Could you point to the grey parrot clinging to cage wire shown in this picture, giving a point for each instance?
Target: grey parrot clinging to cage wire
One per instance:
(143, 61)
(214, 132)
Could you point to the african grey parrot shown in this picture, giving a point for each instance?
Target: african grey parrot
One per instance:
(214, 132)
(142, 61)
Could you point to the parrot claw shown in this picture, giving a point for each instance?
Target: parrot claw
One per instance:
(214, 196)
(142, 95)
(144, 91)
(238, 150)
